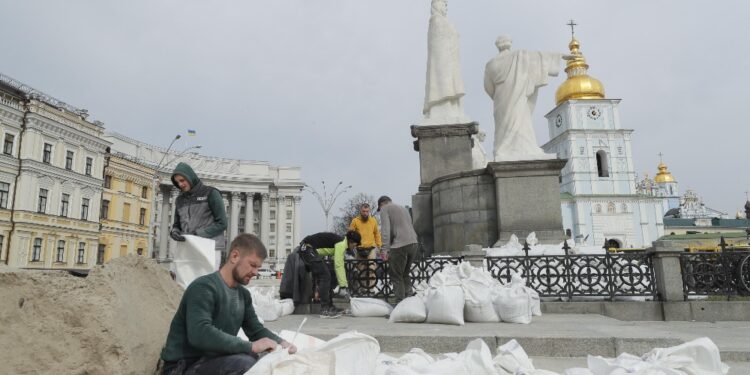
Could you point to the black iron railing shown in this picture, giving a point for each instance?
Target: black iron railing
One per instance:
(370, 278)
(726, 272)
(606, 275)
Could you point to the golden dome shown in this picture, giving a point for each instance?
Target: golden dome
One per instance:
(664, 175)
(579, 84)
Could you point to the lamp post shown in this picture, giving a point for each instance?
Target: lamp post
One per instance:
(154, 185)
(327, 200)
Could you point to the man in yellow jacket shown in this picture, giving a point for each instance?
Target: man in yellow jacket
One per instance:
(367, 227)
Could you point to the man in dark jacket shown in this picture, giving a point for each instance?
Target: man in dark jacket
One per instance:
(203, 338)
(199, 209)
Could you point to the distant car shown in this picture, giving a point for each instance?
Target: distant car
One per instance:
(266, 273)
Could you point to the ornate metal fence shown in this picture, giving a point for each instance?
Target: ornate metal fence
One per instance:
(716, 273)
(370, 278)
(595, 275)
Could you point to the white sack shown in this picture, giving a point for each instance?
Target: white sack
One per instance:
(513, 302)
(301, 340)
(445, 305)
(193, 258)
(266, 306)
(287, 306)
(410, 310)
(475, 360)
(362, 307)
(478, 298)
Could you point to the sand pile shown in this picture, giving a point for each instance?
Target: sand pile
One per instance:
(115, 321)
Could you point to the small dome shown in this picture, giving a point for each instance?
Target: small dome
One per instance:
(664, 175)
(579, 84)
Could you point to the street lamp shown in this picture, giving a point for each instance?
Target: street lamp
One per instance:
(327, 200)
(154, 186)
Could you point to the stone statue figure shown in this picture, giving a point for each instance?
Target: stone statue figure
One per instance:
(478, 156)
(512, 79)
(444, 87)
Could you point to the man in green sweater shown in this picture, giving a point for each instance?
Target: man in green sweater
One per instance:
(203, 338)
(199, 210)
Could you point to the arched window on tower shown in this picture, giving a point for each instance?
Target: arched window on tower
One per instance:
(611, 208)
(602, 164)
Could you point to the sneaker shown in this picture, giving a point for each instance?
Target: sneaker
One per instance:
(330, 312)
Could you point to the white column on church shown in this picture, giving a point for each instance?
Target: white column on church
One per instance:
(249, 212)
(234, 217)
(280, 227)
(297, 221)
(265, 212)
(172, 207)
(164, 226)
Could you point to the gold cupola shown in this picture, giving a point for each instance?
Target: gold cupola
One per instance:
(664, 175)
(579, 84)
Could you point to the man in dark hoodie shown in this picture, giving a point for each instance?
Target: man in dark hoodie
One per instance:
(199, 209)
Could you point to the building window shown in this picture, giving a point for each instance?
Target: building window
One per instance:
(288, 241)
(47, 155)
(100, 254)
(126, 212)
(602, 164)
(36, 252)
(69, 160)
(272, 240)
(4, 192)
(272, 253)
(81, 252)
(272, 227)
(84, 209)
(272, 215)
(60, 256)
(289, 227)
(8, 146)
(256, 228)
(288, 202)
(139, 251)
(107, 181)
(611, 208)
(142, 217)
(598, 208)
(105, 209)
(64, 205)
(42, 208)
(289, 214)
(89, 164)
(144, 192)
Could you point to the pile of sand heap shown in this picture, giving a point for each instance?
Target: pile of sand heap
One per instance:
(114, 321)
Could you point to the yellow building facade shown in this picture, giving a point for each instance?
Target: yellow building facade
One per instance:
(125, 208)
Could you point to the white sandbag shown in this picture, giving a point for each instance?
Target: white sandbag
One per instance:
(362, 307)
(512, 358)
(301, 340)
(478, 305)
(699, 357)
(348, 353)
(445, 305)
(409, 310)
(192, 259)
(287, 306)
(475, 360)
(513, 305)
(536, 303)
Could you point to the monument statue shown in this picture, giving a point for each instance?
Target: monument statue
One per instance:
(444, 87)
(512, 79)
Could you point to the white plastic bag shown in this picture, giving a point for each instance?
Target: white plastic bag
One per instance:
(410, 310)
(445, 304)
(193, 258)
(362, 307)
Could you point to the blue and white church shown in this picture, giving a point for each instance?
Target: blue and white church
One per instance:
(600, 200)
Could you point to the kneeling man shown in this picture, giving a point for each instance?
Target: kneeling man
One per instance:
(203, 335)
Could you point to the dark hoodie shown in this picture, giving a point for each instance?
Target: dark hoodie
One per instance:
(199, 211)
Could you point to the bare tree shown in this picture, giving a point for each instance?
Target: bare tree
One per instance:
(350, 209)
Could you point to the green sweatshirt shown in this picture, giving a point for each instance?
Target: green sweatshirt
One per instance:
(208, 319)
(337, 251)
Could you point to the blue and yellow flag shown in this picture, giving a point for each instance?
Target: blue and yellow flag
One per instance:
(191, 132)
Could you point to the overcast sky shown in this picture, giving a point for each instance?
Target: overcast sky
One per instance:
(333, 86)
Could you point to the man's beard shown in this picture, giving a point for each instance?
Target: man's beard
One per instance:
(364, 218)
(239, 279)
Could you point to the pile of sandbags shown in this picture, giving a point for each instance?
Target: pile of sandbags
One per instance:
(465, 293)
(357, 353)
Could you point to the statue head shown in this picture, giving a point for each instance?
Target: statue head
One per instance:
(503, 42)
(440, 7)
